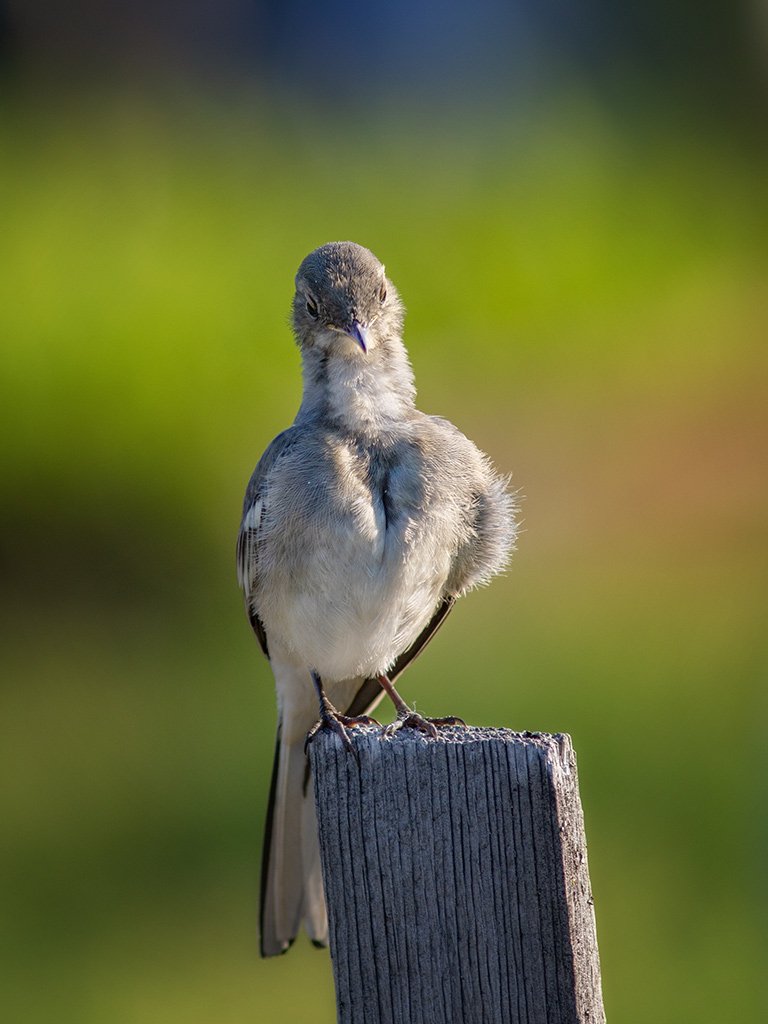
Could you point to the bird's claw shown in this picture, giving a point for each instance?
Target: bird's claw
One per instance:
(339, 724)
(408, 719)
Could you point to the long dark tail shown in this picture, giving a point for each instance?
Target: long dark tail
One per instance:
(291, 882)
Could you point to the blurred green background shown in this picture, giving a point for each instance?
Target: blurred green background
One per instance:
(585, 277)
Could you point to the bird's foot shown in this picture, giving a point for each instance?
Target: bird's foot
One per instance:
(407, 718)
(335, 722)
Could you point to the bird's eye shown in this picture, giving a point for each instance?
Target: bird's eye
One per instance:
(383, 293)
(312, 308)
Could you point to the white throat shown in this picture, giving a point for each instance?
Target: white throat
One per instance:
(363, 392)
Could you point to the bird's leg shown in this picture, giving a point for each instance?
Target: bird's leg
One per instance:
(407, 718)
(332, 719)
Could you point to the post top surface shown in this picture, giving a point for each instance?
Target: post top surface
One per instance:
(367, 739)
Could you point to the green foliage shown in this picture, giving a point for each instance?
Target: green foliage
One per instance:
(587, 306)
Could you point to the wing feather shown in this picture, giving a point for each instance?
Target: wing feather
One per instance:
(254, 508)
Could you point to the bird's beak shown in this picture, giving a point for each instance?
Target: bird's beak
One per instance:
(358, 333)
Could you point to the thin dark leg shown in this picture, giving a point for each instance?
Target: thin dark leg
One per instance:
(407, 718)
(332, 719)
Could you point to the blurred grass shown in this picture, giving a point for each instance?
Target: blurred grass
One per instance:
(588, 303)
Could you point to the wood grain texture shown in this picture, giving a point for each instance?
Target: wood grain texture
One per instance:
(456, 878)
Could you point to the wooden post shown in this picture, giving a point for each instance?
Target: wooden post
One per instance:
(456, 878)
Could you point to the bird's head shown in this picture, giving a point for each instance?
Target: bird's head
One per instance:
(344, 302)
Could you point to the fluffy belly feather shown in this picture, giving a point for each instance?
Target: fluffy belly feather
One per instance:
(355, 609)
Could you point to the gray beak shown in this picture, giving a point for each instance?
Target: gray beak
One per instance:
(359, 333)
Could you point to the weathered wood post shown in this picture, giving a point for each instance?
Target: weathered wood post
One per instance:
(456, 878)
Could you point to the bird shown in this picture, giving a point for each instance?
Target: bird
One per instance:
(362, 525)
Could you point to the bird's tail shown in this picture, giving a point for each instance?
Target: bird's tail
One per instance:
(291, 880)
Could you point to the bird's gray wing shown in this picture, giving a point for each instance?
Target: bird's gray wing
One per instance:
(370, 693)
(254, 506)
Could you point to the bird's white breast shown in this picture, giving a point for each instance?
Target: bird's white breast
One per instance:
(359, 588)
